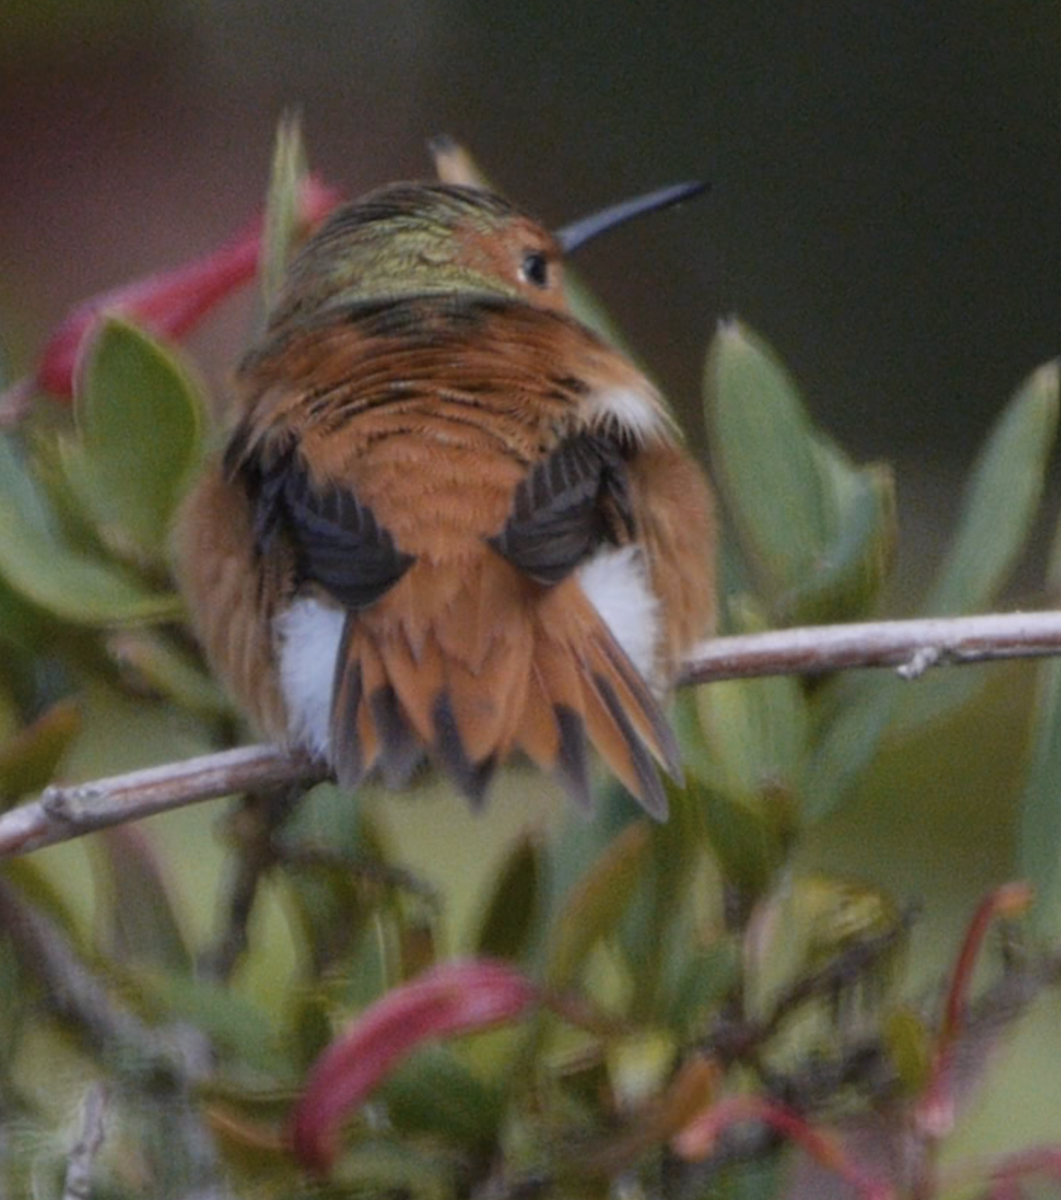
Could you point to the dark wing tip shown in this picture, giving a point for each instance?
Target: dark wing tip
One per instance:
(400, 748)
(472, 778)
(572, 763)
(652, 797)
(345, 742)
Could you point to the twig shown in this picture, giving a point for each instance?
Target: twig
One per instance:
(911, 647)
(162, 1064)
(62, 813)
(78, 1184)
(74, 993)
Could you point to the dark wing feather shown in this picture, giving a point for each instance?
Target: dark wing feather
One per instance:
(337, 541)
(572, 501)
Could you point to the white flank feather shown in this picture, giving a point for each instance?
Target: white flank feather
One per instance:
(308, 634)
(617, 586)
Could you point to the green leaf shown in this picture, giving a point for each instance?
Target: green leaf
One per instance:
(329, 848)
(10, 719)
(140, 421)
(71, 585)
(997, 515)
(819, 531)
(659, 917)
(509, 916)
(708, 975)
(434, 1092)
(327, 815)
(39, 889)
(378, 1167)
(44, 569)
(999, 510)
(855, 721)
(139, 924)
(29, 760)
(1039, 831)
(234, 1025)
(170, 671)
(909, 1044)
(857, 562)
(596, 904)
(20, 492)
(755, 734)
(282, 225)
(22, 626)
(1001, 500)
(749, 836)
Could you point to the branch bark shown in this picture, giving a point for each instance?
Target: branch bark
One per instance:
(910, 647)
(78, 1184)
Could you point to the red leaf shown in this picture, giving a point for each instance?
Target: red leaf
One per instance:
(168, 303)
(457, 997)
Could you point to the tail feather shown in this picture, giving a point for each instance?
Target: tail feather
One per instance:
(488, 702)
(572, 760)
(538, 736)
(634, 698)
(471, 776)
(550, 689)
(635, 767)
(400, 749)
(345, 733)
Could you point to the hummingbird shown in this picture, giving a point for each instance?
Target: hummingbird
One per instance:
(450, 521)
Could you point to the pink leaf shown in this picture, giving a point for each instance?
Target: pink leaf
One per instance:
(454, 998)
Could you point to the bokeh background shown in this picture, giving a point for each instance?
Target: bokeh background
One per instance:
(887, 176)
(886, 211)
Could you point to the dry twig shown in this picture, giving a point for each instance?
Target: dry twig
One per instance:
(78, 1183)
(910, 647)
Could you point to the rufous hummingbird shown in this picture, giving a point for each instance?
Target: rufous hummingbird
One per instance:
(451, 521)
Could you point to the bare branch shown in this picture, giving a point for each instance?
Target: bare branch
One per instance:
(78, 1185)
(910, 647)
(163, 1063)
(73, 993)
(62, 813)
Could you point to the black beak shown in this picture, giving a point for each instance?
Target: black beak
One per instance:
(579, 232)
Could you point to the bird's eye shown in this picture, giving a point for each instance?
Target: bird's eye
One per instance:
(535, 269)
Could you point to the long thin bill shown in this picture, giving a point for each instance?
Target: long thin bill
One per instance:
(579, 232)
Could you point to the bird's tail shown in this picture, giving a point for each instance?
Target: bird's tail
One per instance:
(474, 685)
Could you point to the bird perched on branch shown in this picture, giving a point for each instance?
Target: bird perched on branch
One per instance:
(451, 521)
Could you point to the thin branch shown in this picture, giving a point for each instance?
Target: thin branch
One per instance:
(62, 813)
(910, 647)
(162, 1065)
(73, 993)
(78, 1184)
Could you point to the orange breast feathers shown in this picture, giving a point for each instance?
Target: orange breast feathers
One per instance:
(460, 527)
